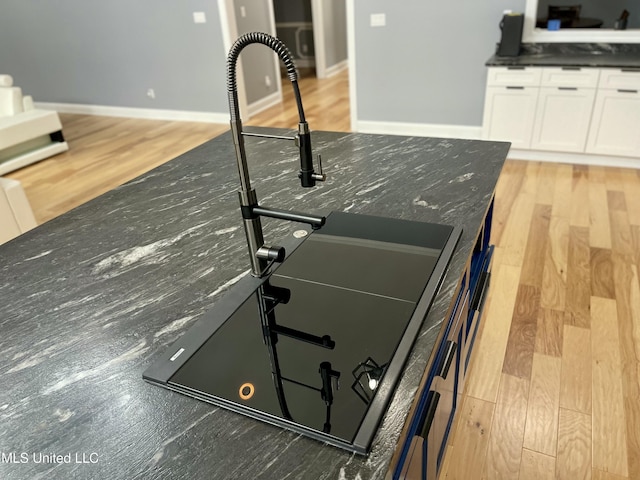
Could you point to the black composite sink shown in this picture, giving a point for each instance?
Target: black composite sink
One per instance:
(319, 345)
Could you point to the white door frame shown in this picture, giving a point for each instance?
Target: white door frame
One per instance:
(318, 38)
(229, 32)
(351, 61)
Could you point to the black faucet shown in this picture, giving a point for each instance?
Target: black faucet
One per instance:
(263, 256)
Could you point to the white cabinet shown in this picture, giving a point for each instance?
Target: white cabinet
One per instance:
(509, 113)
(574, 77)
(619, 78)
(514, 76)
(615, 126)
(510, 105)
(564, 109)
(562, 119)
(615, 129)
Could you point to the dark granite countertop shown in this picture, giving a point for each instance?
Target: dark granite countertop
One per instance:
(92, 298)
(597, 55)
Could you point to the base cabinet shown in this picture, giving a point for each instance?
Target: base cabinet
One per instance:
(509, 114)
(424, 447)
(577, 110)
(434, 419)
(562, 118)
(616, 125)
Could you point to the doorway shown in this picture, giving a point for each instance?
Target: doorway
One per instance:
(315, 31)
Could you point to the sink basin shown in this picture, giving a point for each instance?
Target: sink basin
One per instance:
(319, 345)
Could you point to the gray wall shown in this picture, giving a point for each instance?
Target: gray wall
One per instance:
(111, 52)
(427, 64)
(257, 60)
(334, 13)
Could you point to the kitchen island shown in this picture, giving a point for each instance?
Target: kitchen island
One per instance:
(92, 298)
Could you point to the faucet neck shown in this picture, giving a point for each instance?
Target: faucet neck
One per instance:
(262, 256)
(281, 50)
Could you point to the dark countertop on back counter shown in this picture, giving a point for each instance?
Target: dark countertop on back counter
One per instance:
(93, 297)
(596, 55)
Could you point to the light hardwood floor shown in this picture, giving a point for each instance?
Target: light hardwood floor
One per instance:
(554, 388)
(105, 152)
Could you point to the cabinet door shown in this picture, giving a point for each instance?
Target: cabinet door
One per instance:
(434, 418)
(562, 119)
(616, 123)
(421, 462)
(509, 114)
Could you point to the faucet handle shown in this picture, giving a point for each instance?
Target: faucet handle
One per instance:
(275, 254)
(320, 177)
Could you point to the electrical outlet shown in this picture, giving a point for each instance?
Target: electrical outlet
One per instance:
(199, 17)
(243, 11)
(378, 19)
(267, 80)
(305, 48)
(151, 93)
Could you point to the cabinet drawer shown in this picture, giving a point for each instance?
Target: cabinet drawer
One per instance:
(570, 77)
(620, 79)
(514, 76)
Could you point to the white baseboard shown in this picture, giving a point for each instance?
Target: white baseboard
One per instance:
(576, 158)
(129, 112)
(264, 103)
(419, 129)
(337, 68)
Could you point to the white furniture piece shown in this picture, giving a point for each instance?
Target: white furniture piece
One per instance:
(16, 216)
(27, 134)
(564, 109)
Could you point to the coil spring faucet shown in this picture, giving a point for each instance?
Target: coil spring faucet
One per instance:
(263, 256)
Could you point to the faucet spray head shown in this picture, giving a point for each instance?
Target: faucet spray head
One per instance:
(306, 157)
(307, 175)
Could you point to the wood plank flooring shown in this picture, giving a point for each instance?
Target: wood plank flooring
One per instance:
(568, 338)
(554, 388)
(105, 152)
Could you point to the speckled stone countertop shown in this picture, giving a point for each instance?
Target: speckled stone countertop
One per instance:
(92, 298)
(597, 55)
